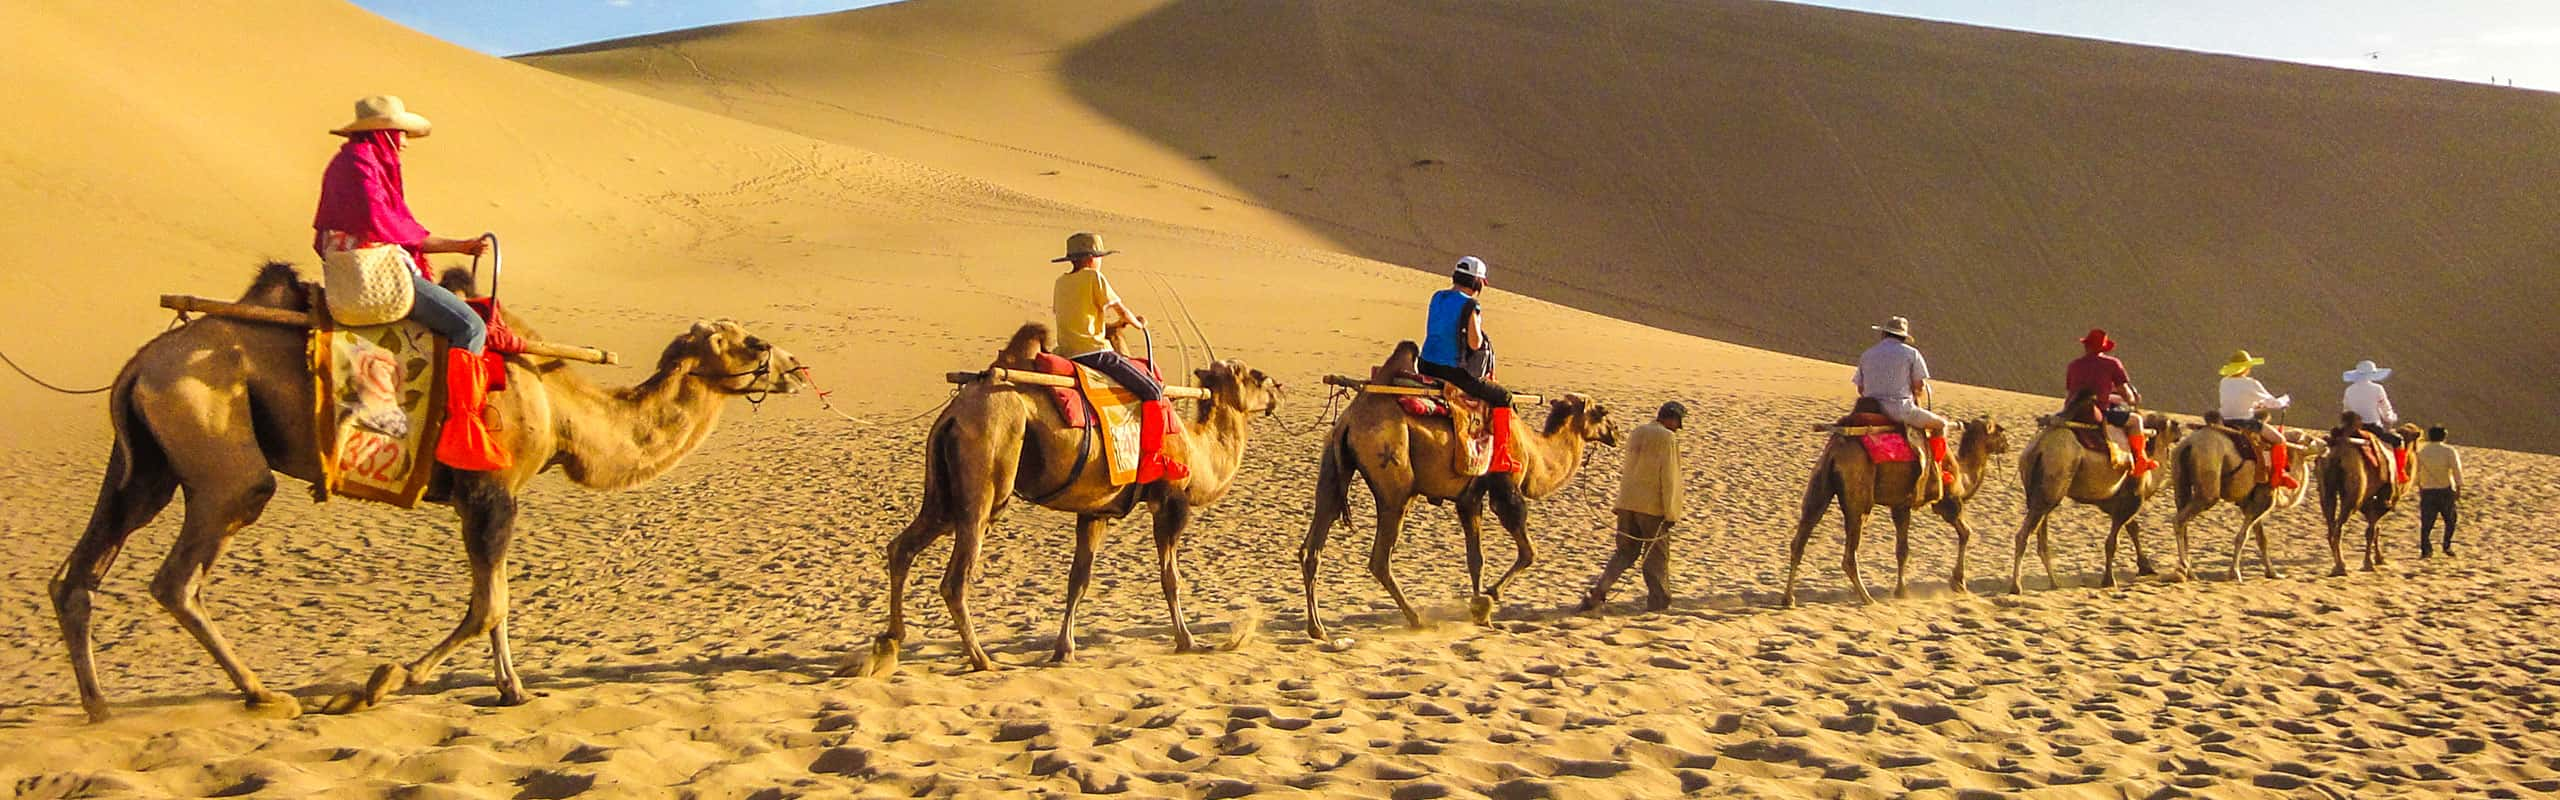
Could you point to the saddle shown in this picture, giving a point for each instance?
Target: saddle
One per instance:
(1467, 416)
(1071, 403)
(2253, 450)
(1885, 440)
(2372, 448)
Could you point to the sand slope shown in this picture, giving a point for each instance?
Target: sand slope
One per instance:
(1754, 172)
(680, 633)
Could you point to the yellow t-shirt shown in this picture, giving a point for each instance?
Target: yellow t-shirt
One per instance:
(1081, 298)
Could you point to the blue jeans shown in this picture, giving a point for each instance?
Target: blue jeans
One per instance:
(1136, 380)
(443, 311)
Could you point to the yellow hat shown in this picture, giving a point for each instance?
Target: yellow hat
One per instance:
(2241, 361)
(384, 112)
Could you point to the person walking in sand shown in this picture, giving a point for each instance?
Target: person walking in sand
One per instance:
(364, 203)
(1455, 349)
(2439, 490)
(1649, 500)
(2102, 376)
(1085, 301)
(2242, 397)
(1893, 374)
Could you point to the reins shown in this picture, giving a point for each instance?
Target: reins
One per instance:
(181, 319)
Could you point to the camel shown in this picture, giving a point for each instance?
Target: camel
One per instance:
(219, 407)
(997, 441)
(2209, 468)
(2055, 468)
(1843, 473)
(1404, 457)
(2349, 486)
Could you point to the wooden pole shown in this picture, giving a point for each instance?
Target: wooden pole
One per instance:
(281, 316)
(1365, 387)
(1002, 375)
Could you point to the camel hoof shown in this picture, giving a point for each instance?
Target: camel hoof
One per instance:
(982, 665)
(513, 696)
(97, 712)
(2144, 572)
(1480, 609)
(2017, 587)
(275, 704)
(2108, 583)
(879, 663)
(1900, 593)
(1317, 633)
(2340, 572)
(1790, 602)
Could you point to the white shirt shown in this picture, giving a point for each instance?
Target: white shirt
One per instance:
(2371, 403)
(2242, 396)
(1887, 370)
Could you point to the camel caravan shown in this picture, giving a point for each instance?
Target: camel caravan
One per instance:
(384, 382)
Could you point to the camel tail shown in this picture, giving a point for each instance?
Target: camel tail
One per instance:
(2031, 477)
(1821, 488)
(2185, 475)
(937, 505)
(1333, 473)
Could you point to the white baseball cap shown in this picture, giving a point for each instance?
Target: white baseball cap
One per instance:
(1472, 267)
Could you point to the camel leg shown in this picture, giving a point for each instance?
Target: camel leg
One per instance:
(2372, 542)
(1382, 549)
(1171, 517)
(2044, 551)
(127, 501)
(909, 543)
(218, 505)
(1332, 502)
(2337, 553)
(1853, 520)
(965, 540)
(1817, 500)
(2331, 498)
(2116, 527)
(1513, 511)
(1954, 515)
(1470, 506)
(2240, 543)
(488, 524)
(1901, 550)
(2141, 556)
(2018, 555)
(1089, 532)
(2266, 557)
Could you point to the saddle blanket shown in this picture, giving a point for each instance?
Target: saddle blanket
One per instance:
(1889, 448)
(381, 399)
(1117, 409)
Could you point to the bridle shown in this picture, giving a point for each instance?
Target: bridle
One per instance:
(755, 397)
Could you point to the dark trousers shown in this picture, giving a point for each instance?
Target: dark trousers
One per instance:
(1642, 536)
(1136, 380)
(1475, 387)
(2432, 504)
(2388, 438)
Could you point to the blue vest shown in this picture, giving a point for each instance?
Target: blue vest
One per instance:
(1448, 313)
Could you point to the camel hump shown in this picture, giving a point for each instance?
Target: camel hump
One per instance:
(1024, 349)
(278, 285)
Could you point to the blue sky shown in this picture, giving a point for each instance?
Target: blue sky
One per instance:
(2467, 40)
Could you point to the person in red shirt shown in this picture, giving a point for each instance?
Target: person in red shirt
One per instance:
(2103, 377)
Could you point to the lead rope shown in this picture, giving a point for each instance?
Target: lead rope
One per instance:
(181, 319)
(806, 376)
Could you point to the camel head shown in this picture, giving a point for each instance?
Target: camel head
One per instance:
(1585, 416)
(731, 360)
(1995, 439)
(1243, 388)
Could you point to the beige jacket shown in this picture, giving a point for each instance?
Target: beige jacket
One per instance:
(1651, 481)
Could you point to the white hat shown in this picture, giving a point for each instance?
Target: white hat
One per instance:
(2366, 371)
(1472, 267)
(1895, 326)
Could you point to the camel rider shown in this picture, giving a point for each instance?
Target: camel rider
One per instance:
(1456, 350)
(2372, 407)
(1084, 300)
(2243, 397)
(364, 203)
(1893, 374)
(2103, 378)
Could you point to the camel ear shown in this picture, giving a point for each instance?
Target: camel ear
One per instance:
(703, 327)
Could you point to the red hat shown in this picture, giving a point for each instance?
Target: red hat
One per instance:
(2097, 341)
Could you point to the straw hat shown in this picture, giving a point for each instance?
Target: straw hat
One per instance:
(1083, 245)
(2241, 361)
(1896, 326)
(384, 112)
(2098, 341)
(2366, 371)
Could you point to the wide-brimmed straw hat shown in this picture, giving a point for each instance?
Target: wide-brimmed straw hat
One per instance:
(2098, 341)
(1896, 326)
(384, 112)
(1083, 245)
(2366, 371)
(2240, 362)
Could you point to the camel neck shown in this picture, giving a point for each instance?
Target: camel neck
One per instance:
(618, 438)
(1549, 460)
(1217, 450)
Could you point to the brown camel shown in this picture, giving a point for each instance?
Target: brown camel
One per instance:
(2350, 486)
(1843, 473)
(2209, 468)
(219, 407)
(1404, 457)
(2055, 468)
(996, 442)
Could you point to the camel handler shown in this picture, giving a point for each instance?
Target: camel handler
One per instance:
(364, 203)
(1649, 499)
(1893, 374)
(2100, 374)
(2439, 490)
(2372, 407)
(1455, 349)
(2242, 398)
(1084, 299)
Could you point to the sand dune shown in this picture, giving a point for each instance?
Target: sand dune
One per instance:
(1753, 172)
(680, 634)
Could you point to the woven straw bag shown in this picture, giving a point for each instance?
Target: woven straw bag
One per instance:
(369, 285)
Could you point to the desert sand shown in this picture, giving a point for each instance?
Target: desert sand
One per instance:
(680, 635)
